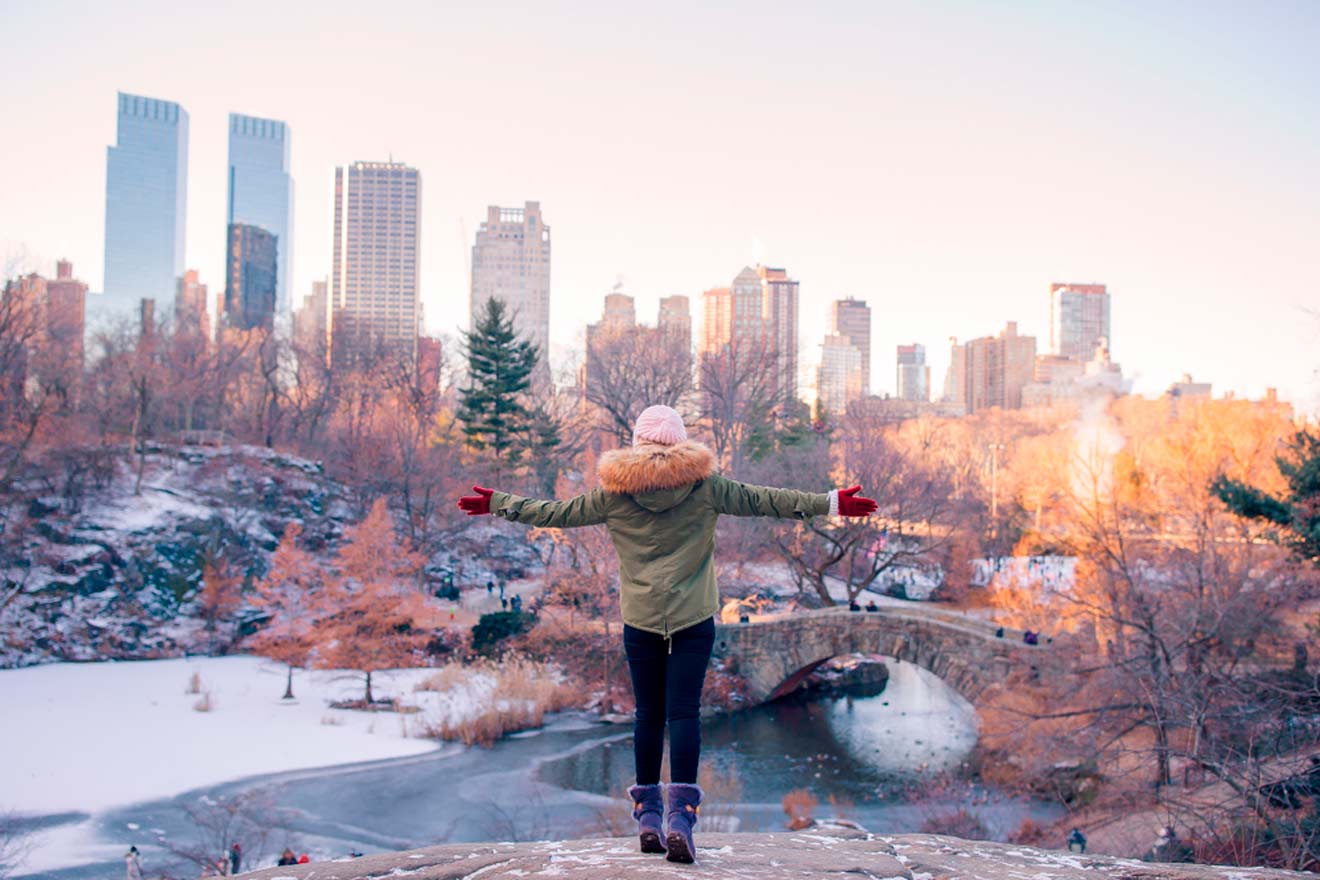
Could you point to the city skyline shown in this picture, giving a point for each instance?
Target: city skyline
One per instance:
(1174, 171)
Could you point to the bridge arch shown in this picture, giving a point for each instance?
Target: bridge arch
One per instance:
(773, 655)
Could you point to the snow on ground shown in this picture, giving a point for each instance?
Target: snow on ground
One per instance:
(153, 508)
(89, 736)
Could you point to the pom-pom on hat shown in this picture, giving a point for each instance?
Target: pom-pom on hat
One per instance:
(659, 424)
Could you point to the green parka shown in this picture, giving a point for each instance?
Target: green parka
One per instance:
(660, 504)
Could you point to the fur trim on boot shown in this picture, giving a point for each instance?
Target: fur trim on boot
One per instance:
(684, 806)
(648, 809)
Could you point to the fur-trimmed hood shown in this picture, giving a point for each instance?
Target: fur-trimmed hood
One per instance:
(650, 468)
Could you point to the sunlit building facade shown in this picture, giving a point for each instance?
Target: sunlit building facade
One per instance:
(374, 289)
(1079, 319)
(852, 318)
(913, 375)
(511, 262)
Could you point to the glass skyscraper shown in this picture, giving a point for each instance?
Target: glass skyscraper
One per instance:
(261, 194)
(251, 277)
(146, 200)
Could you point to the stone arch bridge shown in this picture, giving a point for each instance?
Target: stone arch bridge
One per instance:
(773, 655)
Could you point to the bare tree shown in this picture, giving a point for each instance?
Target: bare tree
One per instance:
(1186, 672)
(630, 369)
(247, 819)
(739, 391)
(915, 523)
(39, 372)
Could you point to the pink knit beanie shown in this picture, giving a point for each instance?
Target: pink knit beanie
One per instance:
(659, 424)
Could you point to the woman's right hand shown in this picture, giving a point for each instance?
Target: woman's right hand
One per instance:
(479, 504)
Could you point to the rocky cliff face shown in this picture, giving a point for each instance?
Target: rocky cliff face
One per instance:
(816, 853)
(110, 573)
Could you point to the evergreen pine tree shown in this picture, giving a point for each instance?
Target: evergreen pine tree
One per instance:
(500, 366)
(1297, 513)
(542, 442)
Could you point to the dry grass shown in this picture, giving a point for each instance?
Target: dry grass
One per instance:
(523, 691)
(331, 720)
(194, 684)
(205, 703)
(800, 807)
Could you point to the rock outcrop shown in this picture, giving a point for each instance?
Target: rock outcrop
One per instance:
(825, 853)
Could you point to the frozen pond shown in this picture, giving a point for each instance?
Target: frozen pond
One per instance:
(868, 755)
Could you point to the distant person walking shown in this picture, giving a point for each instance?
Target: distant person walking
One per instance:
(235, 858)
(660, 500)
(1168, 848)
(287, 858)
(1077, 841)
(132, 864)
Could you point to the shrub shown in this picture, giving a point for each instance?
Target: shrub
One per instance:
(1032, 833)
(959, 823)
(799, 806)
(194, 684)
(492, 629)
(205, 704)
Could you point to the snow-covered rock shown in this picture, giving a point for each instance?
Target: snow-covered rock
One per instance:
(114, 574)
(813, 853)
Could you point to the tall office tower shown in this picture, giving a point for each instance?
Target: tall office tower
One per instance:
(732, 316)
(311, 321)
(839, 381)
(511, 262)
(955, 379)
(748, 323)
(66, 309)
(675, 320)
(1079, 319)
(996, 369)
(779, 309)
(716, 319)
(261, 194)
(852, 318)
(620, 312)
(617, 318)
(48, 315)
(146, 199)
(251, 278)
(191, 316)
(374, 278)
(913, 374)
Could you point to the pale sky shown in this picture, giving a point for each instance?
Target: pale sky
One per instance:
(943, 161)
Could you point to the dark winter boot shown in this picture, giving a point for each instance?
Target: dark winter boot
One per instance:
(684, 805)
(649, 811)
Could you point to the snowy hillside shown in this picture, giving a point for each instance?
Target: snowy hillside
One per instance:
(116, 576)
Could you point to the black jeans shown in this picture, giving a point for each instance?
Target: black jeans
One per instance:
(667, 675)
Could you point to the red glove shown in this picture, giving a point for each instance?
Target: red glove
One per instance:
(479, 504)
(852, 504)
